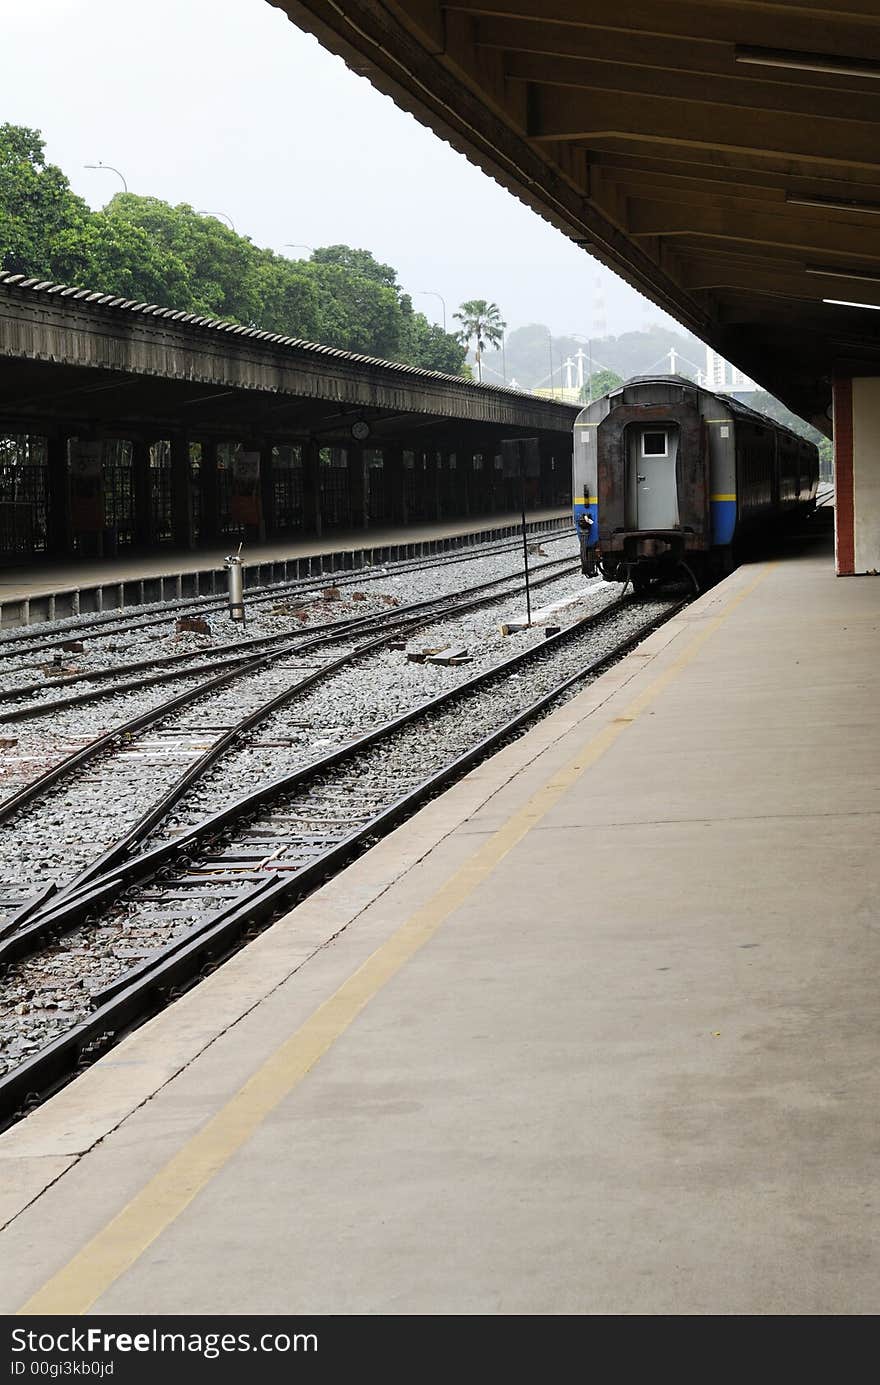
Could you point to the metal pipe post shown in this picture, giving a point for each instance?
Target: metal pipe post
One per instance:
(235, 579)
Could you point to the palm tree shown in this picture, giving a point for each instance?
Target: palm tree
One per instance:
(481, 323)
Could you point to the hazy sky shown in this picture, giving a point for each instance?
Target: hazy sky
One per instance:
(226, 105)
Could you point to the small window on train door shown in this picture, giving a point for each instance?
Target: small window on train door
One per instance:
(654, 444)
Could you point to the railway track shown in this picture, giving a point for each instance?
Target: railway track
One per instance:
(176, 666)
(235, 698)
(111, 623)
(118, 946)
(114, 809)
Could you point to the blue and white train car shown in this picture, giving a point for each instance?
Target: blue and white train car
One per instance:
(668, 475)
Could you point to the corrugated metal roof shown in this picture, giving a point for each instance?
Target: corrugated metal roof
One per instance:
(118, 305)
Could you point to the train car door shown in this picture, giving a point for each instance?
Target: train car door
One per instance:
(652, 482)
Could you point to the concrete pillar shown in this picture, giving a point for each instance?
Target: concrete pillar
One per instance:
(181, 503)
(59, 530)
(267, 492)
(357, 484)
(417, 498)
(432, 486)
(209, 495)
(449, 489)
(857, 475)
(480, 483)
(464, 480)
(497, 487)
(142, 496)
(392, 461)
(426, 506)
(312, 487)
(545, 485)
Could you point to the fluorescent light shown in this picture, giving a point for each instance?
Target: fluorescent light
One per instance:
(807, 62)
(832, 204)
(844, 303)
(833, 272)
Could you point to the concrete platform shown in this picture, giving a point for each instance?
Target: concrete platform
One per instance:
(597, 1032)
(54, 591)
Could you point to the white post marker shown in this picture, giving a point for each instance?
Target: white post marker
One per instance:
(235, 578)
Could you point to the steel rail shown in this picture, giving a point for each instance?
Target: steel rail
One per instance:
(269, 591)
(36, 709)
(396, 622)
(234, 647)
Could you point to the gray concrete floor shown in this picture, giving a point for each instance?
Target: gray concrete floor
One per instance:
(39, 578)
(632, 1069)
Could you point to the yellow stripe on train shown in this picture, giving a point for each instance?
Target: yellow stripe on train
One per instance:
(585, 500)
(722, 497)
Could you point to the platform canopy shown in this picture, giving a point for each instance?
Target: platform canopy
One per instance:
(93, 360)
(722, 157)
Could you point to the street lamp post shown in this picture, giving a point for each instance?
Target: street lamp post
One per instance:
(220, 216)
(298, 245)
(432, 293)
(111, 170)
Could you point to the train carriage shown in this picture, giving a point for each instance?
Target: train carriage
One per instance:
(669, 476)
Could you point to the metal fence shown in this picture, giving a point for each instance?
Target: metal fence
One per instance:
(23, 494)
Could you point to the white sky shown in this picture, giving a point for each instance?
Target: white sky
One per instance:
(224, 104)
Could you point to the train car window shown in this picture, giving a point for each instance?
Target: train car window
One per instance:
(653, 444)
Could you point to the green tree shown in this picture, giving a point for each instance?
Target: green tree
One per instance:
(425, 344)
(37, 207)
(115, 255)
(361, 263)
(481, 323)
(289, 297)
(357, 313)
(599, 383)
(221, 266)
(148, 250)
(768, 404)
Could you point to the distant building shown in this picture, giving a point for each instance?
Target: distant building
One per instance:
(720, 375)
(563, 394)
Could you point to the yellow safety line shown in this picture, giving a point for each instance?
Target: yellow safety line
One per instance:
(100, 1263)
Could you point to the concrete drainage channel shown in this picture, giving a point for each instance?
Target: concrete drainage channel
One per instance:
(211, 581)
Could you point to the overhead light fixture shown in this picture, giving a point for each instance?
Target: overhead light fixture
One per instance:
(807, 62)
(845, 303)
(861, 346)
(833, 204)
(835, 272)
